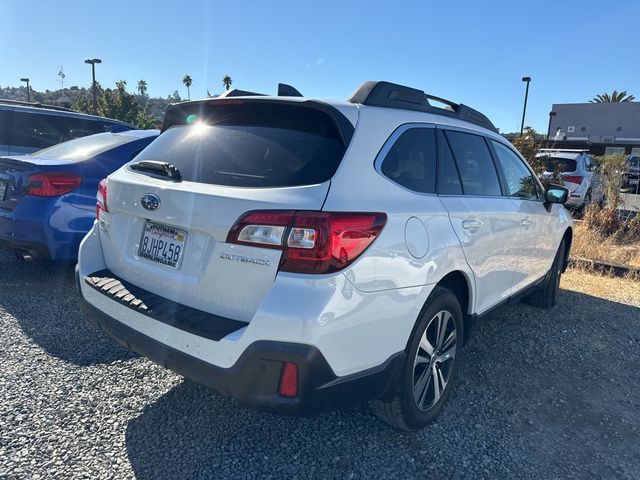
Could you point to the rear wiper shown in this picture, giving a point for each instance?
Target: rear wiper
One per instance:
(164, 169)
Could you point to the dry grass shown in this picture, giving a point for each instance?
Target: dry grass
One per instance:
(612, 288)
(594, 243)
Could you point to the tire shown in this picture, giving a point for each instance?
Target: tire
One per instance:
(546, 296)
(426, 380)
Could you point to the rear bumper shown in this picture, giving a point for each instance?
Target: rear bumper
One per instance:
(254, 378)
(48, 229)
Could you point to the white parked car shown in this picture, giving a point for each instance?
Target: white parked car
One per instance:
(300, 255)
(578, 172)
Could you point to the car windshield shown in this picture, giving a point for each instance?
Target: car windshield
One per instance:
(562, 165)
(83, 148)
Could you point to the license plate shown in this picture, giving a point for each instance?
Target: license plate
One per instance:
(162, 244)
(3, 190)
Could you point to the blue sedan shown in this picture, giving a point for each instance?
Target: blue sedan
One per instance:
(48, 198)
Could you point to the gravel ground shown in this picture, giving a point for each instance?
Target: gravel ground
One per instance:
(541, 394)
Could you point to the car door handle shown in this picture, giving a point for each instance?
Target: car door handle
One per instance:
(471, 225)
(526, 223)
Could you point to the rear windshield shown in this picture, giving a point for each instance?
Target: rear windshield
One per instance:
(83, 148)
(252, 145)
(561, 164)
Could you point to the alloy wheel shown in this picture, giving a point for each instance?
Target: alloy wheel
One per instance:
(433, 364)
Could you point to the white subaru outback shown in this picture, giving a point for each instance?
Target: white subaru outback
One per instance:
(300, 255)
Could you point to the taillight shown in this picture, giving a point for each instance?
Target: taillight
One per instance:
(51, 184)
(101, 198)
(573, 179)
(312, 242)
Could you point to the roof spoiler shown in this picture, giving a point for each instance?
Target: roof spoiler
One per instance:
(392, 95)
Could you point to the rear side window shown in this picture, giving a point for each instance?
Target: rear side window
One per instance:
(246, 144)
(475, 165)
(411, 161)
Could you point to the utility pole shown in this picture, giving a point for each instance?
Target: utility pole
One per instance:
(25, 79)
(92, 62)
(526, 96)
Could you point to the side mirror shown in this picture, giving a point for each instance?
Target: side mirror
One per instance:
(556, 194)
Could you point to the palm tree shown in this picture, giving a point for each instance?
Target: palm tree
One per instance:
(615, 97)
(187, 83)
(142, 87)
(227, 82)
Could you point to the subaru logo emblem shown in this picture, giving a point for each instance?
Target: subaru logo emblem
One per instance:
(150, 201)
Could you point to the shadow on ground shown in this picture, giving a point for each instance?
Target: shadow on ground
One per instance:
(542, 393)
(42, 298)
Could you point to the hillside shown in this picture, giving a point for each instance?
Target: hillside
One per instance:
(66, 97)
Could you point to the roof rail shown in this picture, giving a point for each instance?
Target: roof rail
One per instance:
(22, 103)
(570, 150)
(392, 95)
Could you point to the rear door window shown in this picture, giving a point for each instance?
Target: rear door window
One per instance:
(34, 130)
(411, 161)
(476, 168)
(252, 144)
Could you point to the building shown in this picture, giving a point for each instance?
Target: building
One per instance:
(603, 128)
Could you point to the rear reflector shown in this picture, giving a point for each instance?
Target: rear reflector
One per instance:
(289, 380)
(51, 184)
(312, 242)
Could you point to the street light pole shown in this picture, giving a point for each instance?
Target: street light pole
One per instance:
(526, 96)
(551, 115)
(25, 79)
(92, 62)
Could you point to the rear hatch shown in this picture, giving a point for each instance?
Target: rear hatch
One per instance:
(565, 169)
(166, 230)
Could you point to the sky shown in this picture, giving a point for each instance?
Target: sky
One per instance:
(472, 52)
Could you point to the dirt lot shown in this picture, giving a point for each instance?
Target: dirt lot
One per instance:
(542, 394)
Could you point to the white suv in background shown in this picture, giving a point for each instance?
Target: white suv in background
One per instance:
(300, 255)
(578, 172)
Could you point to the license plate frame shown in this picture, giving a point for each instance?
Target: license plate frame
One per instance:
(160, 247)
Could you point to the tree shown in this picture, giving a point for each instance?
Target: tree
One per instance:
(615, 97)
(226, 81)
(117, 103)
(142, 87)
(187, 83)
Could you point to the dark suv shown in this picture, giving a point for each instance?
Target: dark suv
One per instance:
(27, 128)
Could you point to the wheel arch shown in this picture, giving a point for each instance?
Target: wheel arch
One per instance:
(568, 239)
(461, 286)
